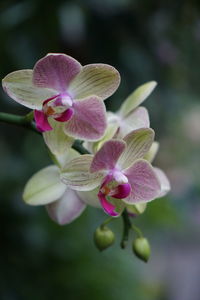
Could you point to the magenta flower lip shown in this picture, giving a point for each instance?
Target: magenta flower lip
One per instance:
(121, 191)
(51, 108)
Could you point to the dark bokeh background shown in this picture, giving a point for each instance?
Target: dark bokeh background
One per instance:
(144, 40)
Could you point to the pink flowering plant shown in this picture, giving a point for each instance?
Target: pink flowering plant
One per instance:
(102, 159)
(59, 87)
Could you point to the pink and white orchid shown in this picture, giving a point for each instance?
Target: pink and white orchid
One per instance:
(59, 87)
(119, 170)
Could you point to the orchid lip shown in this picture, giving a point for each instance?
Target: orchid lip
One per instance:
(107, 206)
(58, 107)
(121, 191)
(65, 116)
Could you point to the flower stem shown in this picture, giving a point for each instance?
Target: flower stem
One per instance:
(127, 226)
(27, 122)
(78, 147)
(137, 230)
(107, 221)
(23, 121)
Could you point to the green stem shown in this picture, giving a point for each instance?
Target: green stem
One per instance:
(107, 221)
(137, 230)
(27, 122)
(23, 121)
(30, 116)
(127, 225)
(78, 147)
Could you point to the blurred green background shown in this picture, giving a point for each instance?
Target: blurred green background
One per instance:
(144, 40)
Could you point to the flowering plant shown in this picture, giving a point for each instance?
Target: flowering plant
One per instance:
(110, 167)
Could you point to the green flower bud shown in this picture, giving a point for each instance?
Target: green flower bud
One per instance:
(141, 248)
(103, 238)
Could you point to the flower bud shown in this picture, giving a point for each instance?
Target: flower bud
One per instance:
(141, 248)
(103, 238)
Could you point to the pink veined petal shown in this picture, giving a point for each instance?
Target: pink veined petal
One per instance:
(65, 116)
(122, 191)
(88, 121)
(41, 121)
(107, 206)
(107, 157)
(145, 185)
(55, 71)
(67, 208)
(100, 80)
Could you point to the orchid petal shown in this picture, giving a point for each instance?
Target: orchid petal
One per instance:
(19, 86)
(55, 71)
(57, 141)
(107, 157)
(137, 97)
(88, 121)
(138, 144)
(107, 206)
(76, 175)
(90, 197)
(144, 182)
(95, 79)
(41, 121)
(138, 118)
(44, 187)
(67, 156)
(67, 208)
(150, 155)
(164, 181)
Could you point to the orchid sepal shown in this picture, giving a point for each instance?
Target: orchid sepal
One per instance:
(44, 187)
(137, 97)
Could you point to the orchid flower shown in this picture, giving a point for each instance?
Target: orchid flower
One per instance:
(119, 170)
(59, 87)
(128, 118)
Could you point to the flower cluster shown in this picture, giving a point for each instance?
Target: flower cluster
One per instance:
(67, 100)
